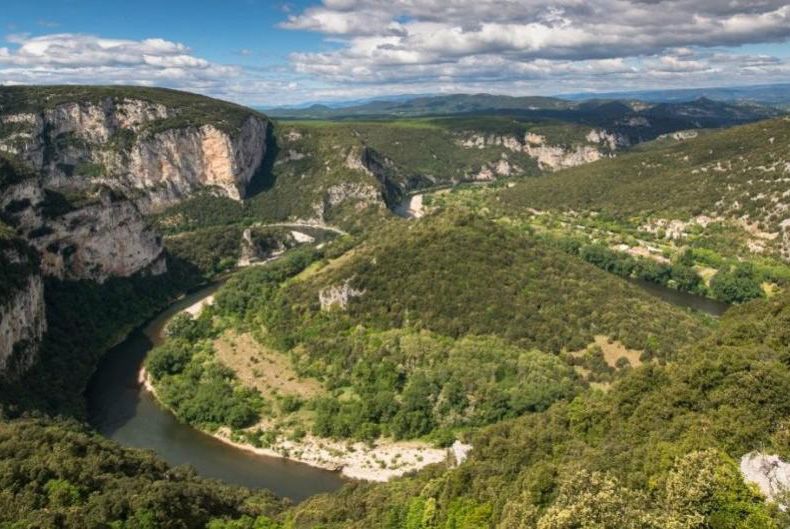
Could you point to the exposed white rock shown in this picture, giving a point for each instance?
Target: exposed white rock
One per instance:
(293, 135)
(301, 237)
(363, 194)
(22, 323)
(553, 157)
(609, 139)
(248, 253)
(338, 295)
(185, 160)
(680, 135)
(768, 472)
(460, 451)
(599, 143)
(355, 161)
(166, 166)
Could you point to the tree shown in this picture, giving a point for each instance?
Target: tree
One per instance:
(736, 285)
(706, 490)
(592, 500)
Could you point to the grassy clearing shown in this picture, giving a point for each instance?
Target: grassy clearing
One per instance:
(260, 367)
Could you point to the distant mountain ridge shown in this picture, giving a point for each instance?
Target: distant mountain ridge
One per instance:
(770, 94)
(698, 112)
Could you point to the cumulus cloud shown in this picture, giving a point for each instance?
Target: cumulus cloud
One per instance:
(76, 58)
(89, 59)
(414, 41)
(384, 47)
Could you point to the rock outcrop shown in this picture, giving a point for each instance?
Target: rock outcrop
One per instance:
(84, 174)
(127, 145)
(769, 473)
(22, 313)
(550, 157)
(338, 295)
(106, 236)
(22, 324)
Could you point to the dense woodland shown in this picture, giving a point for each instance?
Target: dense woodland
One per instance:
(440, 337)
(483, 321)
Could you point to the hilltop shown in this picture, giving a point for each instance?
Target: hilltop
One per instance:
(418, 332)
(638, 119)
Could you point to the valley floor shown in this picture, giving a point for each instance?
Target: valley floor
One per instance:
(380, 461)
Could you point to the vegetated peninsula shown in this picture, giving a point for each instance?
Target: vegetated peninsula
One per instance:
(509, 359)
(404, 339)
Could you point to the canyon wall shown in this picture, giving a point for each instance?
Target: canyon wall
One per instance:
(89, 171)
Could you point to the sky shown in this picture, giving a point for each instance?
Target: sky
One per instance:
(271, 53)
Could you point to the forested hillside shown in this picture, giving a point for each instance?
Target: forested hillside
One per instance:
(736, 173)
(501, 341)
(659, 449)
(419, 332)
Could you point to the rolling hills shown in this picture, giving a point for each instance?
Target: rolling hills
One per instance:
(497, 319)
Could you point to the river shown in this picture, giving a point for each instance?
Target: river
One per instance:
(120, 409)
(683, 299)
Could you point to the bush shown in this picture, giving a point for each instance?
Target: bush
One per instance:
(736, 285)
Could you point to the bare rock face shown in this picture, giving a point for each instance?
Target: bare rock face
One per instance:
(126, 145)
(338, 295)
(22, 325)
(597, 144)
(107, 236)
(184, 160)
(94, 168)
(554, 157)
(769, 473)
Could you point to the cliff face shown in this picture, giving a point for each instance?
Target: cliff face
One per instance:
(92, 168)
(22, 315)
(22, 324)
(129, 146)
(103, 236)
(551, 156)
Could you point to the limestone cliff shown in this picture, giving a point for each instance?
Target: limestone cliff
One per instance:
(551, 156)
(101, 236)
(81, 166)
(22, 324)
(141, 148)
(22, 315)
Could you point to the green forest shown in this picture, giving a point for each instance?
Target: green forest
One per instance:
(508, 317)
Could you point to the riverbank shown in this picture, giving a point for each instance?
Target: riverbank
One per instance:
(379, 462)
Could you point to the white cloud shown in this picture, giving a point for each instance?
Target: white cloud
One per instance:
(383, 47)
(465, 41)
(74, 58)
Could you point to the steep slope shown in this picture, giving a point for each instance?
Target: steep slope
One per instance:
(451, 323)
(446, 274)
(348, 172)
(81, 166)
(22, 317)
(660, 449)
(683, 184)
(163, 144)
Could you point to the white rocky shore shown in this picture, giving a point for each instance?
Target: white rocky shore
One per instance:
(381, 461)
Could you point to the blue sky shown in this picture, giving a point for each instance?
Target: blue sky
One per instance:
(215, 29)
(268, 53)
